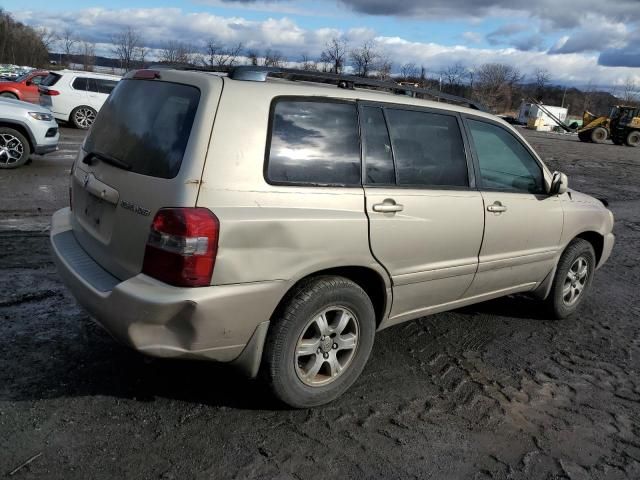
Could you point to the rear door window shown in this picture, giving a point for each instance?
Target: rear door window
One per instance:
(376, 147)
(428, 148)
(314, 142)
(80, 83)
(105, 86)
(146, 124)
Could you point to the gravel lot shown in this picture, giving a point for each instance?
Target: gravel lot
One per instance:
(491, 391)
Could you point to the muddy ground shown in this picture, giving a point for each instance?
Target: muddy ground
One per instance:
(491, 391)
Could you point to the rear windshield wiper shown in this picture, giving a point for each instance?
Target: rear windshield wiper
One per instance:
(116, 162)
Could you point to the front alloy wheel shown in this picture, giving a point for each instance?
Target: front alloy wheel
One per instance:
(576, 281)
(572, 279)
(14, 148)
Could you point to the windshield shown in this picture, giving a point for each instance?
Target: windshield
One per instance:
(145, 125)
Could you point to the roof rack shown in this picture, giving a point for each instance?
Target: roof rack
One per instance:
(260, 74)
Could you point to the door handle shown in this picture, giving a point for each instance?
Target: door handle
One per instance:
(388, 206)
(497, 207)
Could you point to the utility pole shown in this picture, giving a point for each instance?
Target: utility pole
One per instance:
(564, 95)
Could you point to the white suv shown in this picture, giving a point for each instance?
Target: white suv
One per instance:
(76, 97)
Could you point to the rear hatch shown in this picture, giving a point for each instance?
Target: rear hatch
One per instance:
(145, 151)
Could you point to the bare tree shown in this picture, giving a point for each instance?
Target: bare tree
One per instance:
(46, 36)
(307, 63)
(384, 69)
(334, 53)
(408, 71)
(69, 42)
(630, 92)
(217, 56)
(494, 85)
(125, 47)
(365, 58)
(542, 77)
(273, 58)
(141, 55)
(588, 96)
(253, 57)
(177, 53)
(453, 78)
(88, 51)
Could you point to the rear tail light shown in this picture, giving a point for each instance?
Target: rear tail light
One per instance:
(48, 91)
(182, 247)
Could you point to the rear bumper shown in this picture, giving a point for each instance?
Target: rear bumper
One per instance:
(214, 323)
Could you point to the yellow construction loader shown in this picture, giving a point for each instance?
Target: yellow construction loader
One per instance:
(622, 126)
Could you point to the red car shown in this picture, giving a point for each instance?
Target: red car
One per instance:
(25, 87)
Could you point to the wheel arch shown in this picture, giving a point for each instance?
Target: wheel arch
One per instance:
(20, 127)
(595, 239)
(12, 91)
(597, 242)
(370, 280)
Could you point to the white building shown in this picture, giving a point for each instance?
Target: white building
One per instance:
(530, 111)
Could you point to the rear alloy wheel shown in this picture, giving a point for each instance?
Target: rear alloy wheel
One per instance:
(633, 139)
(14, 148)
(83, 117)
(572, 279)
(319, 341)
(599, 135)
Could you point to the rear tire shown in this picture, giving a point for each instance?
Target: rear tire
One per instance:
(83, 117)
(9, 95)
(633, 139)
(14, 148)
(572, 279)
(599, 135)
(318, 342)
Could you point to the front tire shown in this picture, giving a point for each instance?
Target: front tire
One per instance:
(599, 135)
(633, 139)
(572, 279)
(83, 117)
(319, 342)
(9, 95)
(14, 148)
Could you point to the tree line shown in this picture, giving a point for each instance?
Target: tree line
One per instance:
(21, 44)
(500, 87)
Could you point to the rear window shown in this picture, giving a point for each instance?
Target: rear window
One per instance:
(314, 142)
(146, 124)
(51, 80)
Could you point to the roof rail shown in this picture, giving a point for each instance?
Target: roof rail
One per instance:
(260, 74)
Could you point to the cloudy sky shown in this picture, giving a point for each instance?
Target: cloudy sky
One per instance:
(579, 42)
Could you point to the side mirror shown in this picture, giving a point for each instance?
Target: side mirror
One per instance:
(559, 184)
(28, 83)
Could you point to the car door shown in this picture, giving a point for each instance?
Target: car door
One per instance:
(30, 90)
(95, 98)
(523, 224)
(425, 217)
(79, 95)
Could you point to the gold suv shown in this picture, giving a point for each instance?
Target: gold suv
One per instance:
(276, 219)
